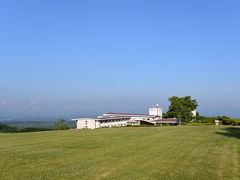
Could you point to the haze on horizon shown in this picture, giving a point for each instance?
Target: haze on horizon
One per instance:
(78, 58)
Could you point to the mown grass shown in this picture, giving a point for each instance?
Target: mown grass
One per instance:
(187, 152)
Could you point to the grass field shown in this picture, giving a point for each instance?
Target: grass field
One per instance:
(205, 152)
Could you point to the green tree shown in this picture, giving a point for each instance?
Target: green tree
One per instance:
(165, 115)
(181, 108)
(61, 125)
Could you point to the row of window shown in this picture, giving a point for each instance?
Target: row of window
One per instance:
(113, 125)
(113, 121)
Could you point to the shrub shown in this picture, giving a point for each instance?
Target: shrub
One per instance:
(233, 122)
(61, 125)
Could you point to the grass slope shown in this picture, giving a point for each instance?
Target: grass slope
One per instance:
(205, 152)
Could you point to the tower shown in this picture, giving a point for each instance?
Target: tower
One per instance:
(155, 111)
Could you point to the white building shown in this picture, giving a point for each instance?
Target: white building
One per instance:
(119, 119)
(156, 111)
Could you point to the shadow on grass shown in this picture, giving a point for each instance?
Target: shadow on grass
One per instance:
(233, 132)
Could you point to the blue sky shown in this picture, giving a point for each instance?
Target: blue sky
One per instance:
(82, 58)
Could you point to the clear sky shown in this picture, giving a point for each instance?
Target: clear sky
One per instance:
(83, 57)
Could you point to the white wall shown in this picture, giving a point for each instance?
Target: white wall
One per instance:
(194, 113)
(156, 111)
(86, 123)
(114, 123)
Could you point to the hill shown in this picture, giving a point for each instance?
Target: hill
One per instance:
(205, 152)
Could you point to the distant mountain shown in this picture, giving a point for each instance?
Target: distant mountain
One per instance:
(2, 118)
(36, 122)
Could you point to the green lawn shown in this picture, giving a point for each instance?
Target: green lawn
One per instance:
(186, 152)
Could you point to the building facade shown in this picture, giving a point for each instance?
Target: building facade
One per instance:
(101, 122)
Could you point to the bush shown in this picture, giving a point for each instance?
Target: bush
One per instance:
(61, 125)
(223, 119)
(233, 122)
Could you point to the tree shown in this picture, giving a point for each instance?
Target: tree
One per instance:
(181, 108)
(165, 115)
(61, 125)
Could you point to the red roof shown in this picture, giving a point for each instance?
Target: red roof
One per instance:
(167, 120)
